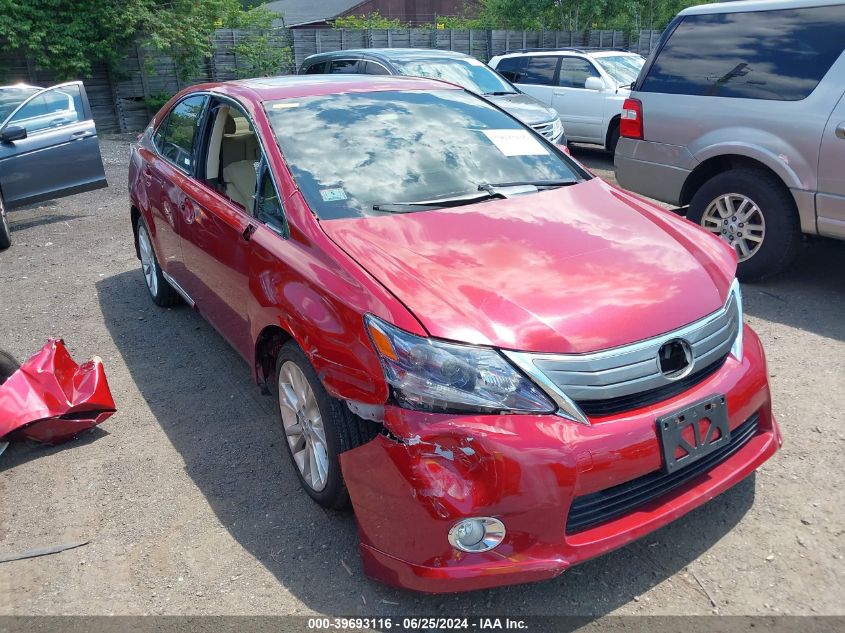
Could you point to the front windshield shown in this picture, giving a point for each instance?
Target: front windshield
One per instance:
(623, 68)
(349, 152)
(11, 97)
(466, 72)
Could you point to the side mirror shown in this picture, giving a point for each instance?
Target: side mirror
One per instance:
(594, 83)
(12, 133)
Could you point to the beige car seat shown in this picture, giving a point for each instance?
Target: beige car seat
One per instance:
(239, 153)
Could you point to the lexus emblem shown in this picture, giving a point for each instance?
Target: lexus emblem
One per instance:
(675, 359)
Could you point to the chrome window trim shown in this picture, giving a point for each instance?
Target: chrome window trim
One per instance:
(567, 406)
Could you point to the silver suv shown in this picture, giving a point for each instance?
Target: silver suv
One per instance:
(739, 113)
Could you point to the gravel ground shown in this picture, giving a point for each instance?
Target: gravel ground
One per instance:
(192, 507)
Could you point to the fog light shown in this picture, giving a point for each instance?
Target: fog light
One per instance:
(478, 534)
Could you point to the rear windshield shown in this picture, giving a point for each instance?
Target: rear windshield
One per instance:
(467, 73)
(349, 152)
(778, 55)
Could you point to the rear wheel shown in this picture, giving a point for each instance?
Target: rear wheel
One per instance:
(8, 366)
(613, 139)
(754, 212)
(161, 292)
(317, 427)
(5, 232)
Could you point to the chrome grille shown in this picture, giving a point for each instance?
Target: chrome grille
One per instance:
(546, 129)
(632, 369)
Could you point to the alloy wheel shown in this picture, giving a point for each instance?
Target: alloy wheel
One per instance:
(304, 429)
(148, 260)
(738, 220)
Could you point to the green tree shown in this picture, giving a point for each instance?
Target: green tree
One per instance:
(69, 36)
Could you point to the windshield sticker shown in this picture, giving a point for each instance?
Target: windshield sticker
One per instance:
(472, 61)
(332, 195)
(285, 105)
(515, 142)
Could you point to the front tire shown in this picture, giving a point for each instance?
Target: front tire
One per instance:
(5, 231)
(161, 292)
(8, 366)
(754, 212)
(317, 427)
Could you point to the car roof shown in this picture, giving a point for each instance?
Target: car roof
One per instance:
(390, 54)
(756, 5)
(294, 86)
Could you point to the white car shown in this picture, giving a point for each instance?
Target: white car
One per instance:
(586, 86)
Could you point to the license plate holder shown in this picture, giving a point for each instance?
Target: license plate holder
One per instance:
(707, 422)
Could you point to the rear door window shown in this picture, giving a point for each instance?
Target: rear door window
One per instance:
(780, 55)
(539, 71)
(343, 66)
(177, 134)
(510, 68)
(316, 69)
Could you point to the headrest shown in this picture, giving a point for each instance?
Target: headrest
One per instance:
(236, 126)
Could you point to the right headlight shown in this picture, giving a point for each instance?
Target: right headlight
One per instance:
(435, 375)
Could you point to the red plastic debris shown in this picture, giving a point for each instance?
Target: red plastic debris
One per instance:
(52, 399)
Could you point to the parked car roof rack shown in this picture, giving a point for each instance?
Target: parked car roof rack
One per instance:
(574, 49)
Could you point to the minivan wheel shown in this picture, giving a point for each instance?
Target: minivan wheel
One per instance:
(5, 232)
(317, 427)
(161, 292)
(752, 211)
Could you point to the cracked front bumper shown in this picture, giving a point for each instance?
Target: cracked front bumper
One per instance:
(410, 486)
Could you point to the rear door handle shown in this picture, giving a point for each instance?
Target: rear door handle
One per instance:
(840, 130)
(78, 136)
(559, 93)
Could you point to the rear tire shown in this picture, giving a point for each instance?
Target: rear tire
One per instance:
(760, 199)
(613, 139)
(320, 428)
(161, 292)
(5, 231)
(8, 366)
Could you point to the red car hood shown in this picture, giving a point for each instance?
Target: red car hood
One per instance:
(569, 270)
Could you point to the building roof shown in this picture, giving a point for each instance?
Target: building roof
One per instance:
(299, 12)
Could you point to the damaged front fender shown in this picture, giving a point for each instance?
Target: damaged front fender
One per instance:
(52, 399)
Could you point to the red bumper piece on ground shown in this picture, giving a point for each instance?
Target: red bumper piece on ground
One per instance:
(51, 398)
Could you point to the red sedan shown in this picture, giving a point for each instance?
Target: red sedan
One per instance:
(507, 365)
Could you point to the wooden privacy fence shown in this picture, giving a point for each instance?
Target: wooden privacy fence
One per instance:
(479, 43)
(124, 97)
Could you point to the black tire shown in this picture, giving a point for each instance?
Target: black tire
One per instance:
(782, 236)
(343, 429)
(5, 231)
(613, 138)
(8, 366)
(161, 292)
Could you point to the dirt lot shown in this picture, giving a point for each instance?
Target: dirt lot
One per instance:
(192, 507)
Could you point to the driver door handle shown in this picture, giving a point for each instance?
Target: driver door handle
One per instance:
(840, 130)
(248, 231)
(78, 136)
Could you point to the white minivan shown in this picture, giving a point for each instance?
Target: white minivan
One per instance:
(587, 87)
